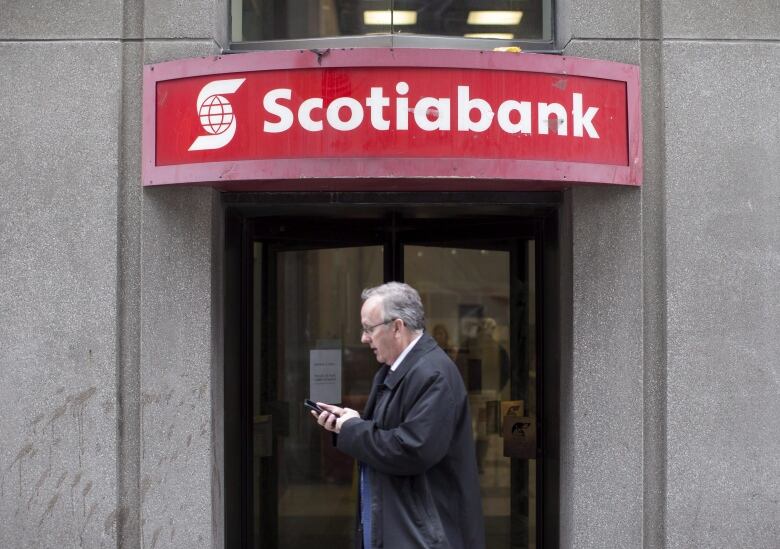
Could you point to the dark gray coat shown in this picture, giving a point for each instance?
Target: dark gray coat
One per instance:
(415, 434)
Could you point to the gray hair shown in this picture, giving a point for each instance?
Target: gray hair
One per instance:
(399, 300)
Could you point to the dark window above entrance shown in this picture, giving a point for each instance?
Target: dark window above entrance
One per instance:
(496, 22)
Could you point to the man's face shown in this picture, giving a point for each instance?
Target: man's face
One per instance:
(383, 338)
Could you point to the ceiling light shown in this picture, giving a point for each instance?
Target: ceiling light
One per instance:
(495, 35)
(494, 17)
(386, 17)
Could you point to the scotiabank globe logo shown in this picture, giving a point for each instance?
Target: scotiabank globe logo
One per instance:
(216, 114)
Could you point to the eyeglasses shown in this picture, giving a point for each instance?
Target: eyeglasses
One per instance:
(367, 330)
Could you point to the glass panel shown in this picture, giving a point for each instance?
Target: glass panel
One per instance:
(255, 20)
(317, 300)
(484, 320)
(295, 19)
(499, 19)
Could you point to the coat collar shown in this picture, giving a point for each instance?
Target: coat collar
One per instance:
(391, 379)
(425, 345)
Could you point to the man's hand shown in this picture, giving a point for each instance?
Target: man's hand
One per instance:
(334, 417)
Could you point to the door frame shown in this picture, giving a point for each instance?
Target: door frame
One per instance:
(539, 213)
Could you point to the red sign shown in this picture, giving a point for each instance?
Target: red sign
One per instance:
(391, 114)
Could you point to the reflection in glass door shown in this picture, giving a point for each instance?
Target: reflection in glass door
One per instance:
(475, 299)
(315, 302)
(478, 293)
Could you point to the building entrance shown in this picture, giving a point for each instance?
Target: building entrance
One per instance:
(479, 282)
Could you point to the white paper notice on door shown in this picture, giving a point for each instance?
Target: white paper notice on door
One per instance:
(325, 375)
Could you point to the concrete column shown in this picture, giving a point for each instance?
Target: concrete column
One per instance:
(602, 438)
(90, 262)
(58, 302)
(723, 292)
(180, 366)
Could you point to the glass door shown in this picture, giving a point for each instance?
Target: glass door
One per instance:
(307, 280)
(477, 284)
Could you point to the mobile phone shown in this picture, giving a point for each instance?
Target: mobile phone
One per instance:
(311, 405)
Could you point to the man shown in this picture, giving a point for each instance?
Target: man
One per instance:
(419, 486)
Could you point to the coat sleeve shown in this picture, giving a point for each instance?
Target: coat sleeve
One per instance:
(418, 443)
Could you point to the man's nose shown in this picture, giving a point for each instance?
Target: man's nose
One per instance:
(364, 338)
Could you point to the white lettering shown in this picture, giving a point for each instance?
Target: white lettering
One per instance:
(402, 107)
(304, 114)
(439, 109)
(377, 102)
(431, 114)
(546, 110)
(285, 115)
(466, 105)
(355, 117)
(579, 122)
(504, 112)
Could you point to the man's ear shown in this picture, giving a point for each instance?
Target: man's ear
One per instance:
(398, 329)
